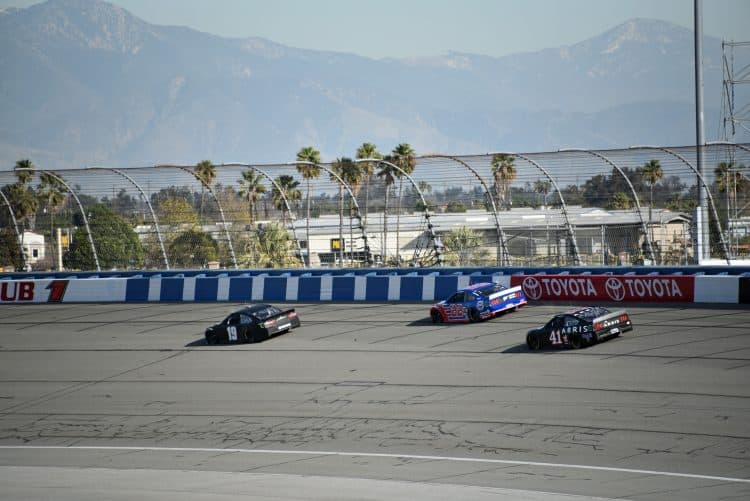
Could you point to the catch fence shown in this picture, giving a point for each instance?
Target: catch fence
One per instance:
(634, 206)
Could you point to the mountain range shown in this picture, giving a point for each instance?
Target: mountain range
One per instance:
(87, 83)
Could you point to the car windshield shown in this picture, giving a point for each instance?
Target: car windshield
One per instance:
(591, 313)
(491, 289)
(266, 312)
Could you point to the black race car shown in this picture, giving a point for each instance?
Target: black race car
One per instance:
(252, 324)
(579, 327)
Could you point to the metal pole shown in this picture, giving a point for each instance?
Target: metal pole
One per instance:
(703, 233)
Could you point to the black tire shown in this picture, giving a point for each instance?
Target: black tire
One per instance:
(212, 338)
(437, 318)
(533, 341)
(474, 315)
(576, 342)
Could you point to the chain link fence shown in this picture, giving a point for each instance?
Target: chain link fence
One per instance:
(634, 206)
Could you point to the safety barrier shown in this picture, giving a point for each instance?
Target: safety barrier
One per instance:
(724, 285)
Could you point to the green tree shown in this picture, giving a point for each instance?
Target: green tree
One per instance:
(251, 189)
(117, 245)
(286, 186)
(268, 247)
(504, 173)
(367, 150)
(309, 172)
(463, 247)
(176, 211)
(620, 201)
(205, 172)
(193, 248)
(455, 206)
(10, 252)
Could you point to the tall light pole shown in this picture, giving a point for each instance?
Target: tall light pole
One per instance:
(702, 234)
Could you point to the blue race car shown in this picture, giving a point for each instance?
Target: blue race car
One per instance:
(478, 302)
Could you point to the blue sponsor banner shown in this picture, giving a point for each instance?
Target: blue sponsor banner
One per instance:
(274, 289)
(377, 288)
(411, 288)
(171, 289)
(308, 289)
(136, 289)
(206, 289)
(240, 288)
(343, 289)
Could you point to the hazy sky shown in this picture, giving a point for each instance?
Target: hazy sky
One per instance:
(404, 28)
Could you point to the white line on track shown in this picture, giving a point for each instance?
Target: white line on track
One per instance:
(383, 455)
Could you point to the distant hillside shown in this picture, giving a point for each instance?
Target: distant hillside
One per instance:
(87, 83)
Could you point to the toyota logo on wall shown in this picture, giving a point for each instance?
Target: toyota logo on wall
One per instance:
(615, 289)
(532, 287)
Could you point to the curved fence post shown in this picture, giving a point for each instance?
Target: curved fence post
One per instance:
(150, 208)
(705, 186)
(283, 197)
(503, 257)
(437, 247)
(348, 188)
(218, 204)
(80, 206)
(644, 228)
(569, 227)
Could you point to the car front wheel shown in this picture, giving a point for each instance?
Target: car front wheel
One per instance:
(437, 318)
(212, 338)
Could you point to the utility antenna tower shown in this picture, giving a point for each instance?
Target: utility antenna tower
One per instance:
(736, 89)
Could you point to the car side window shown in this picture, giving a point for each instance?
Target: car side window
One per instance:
(234, 320)
(245, 319)
(458, 297)
(572, 322)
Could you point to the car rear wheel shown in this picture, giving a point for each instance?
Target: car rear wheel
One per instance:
(437, 318)
(474, 315)
(533, 341)
(576, 342)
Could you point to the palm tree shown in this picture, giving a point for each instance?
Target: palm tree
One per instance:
(404, 157)
(729, 180)
(504, 172)
(367, 150)
(251, 188)
(286, 186)
(309, 171)
(24, 176)
(206, 173)
(387, 174)
(349, 172)
(52, 191)
(652, 173)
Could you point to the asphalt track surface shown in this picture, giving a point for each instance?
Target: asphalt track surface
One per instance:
(370, 401)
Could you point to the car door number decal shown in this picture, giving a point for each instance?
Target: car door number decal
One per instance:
(556, 337)
(455, 310)
(232, 333)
